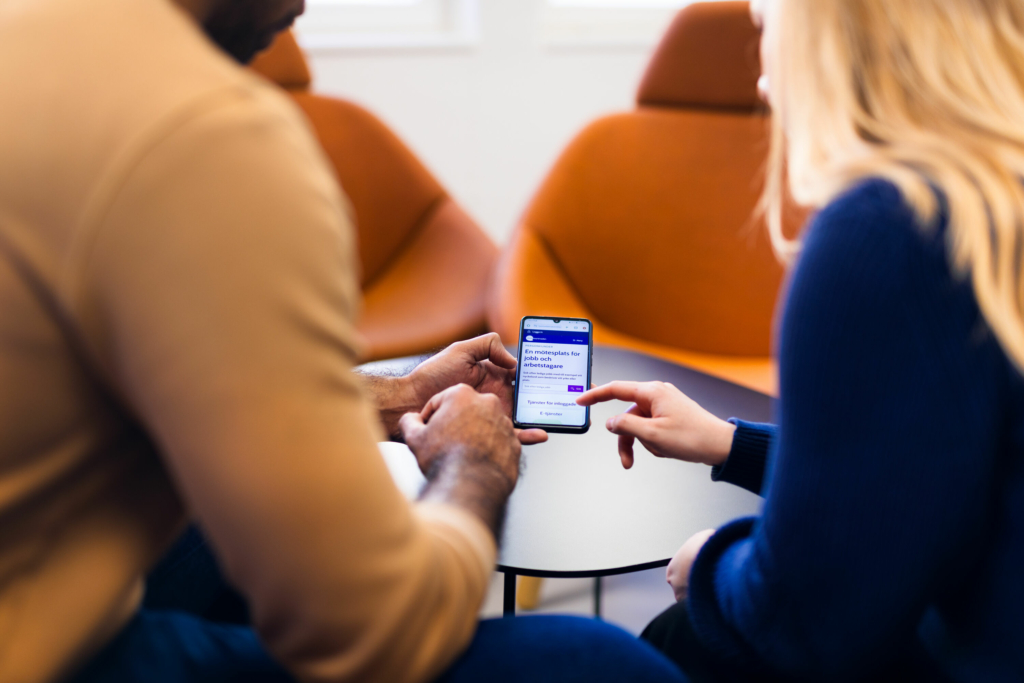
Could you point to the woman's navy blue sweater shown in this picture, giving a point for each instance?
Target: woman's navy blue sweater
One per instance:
(894, 485)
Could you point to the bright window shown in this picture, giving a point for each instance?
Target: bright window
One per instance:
(619, 3)
(387, 23)
(608, 22)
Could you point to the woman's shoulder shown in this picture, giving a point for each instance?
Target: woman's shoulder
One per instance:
(875, 282)
(871, 227)
(876, 208)
(872, 194)
(868, 260)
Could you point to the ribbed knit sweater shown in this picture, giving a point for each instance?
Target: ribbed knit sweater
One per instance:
(894, 483)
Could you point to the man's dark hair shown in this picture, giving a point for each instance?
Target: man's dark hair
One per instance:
(242, 28)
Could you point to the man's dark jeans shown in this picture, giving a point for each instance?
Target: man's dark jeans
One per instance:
(192, 627)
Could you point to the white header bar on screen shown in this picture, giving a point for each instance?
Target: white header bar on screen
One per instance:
(568, 325)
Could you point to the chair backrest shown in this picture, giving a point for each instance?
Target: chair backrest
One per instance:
(708, 58)
(391, 192)
(650, 213)
(284, 64)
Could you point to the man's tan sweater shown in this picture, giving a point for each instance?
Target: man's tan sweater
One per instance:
(177, 296)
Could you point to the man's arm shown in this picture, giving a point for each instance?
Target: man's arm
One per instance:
(394, 396)
(219, 297)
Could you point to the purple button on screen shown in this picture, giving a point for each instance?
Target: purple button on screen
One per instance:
(573, 387)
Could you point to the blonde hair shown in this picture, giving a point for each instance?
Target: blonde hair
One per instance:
(917, 92)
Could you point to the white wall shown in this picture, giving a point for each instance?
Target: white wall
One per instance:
(488, 120)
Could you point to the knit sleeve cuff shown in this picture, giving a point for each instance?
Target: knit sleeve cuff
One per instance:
(748, 457)
(712, 629)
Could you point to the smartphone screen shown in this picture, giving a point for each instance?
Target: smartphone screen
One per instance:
(554, 369)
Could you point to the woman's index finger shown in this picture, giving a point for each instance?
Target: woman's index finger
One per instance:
(618, 390)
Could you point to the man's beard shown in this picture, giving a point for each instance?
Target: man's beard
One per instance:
(236, 30)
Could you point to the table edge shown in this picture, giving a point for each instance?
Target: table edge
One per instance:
(583, 573)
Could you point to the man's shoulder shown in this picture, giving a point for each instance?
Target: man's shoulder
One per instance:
(109, 70)
(98, 87)
(98, 83)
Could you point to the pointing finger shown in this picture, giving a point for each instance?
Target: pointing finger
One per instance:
(622, 391)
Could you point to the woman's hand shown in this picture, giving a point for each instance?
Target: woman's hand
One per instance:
(678, 572)
(666, 421)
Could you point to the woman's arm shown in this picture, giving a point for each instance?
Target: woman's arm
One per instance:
(670, 424)
(748, 457)
(878, 492)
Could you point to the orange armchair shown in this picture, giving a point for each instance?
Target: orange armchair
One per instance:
(425, 263)
(646, 223)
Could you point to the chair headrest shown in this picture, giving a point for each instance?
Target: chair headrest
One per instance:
(283, 63)
(709, 58)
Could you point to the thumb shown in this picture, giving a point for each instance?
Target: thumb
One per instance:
(412, 428)
(498, 354)
(529, 437)
(487, 347)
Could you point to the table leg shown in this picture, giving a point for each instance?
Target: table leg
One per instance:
(597, 597)
(510, 594)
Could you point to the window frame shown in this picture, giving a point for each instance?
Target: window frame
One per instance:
(607, 23)
(388, 24)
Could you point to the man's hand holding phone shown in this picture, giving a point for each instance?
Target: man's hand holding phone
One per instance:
(482, 363)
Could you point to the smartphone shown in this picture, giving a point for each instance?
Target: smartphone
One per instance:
(555, 363)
